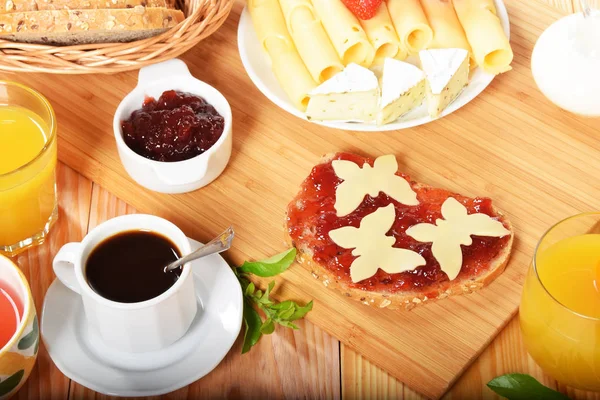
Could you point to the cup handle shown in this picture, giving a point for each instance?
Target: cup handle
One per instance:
(64, 265)
(162, 70)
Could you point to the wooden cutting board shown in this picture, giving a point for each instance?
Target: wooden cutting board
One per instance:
(538, 163)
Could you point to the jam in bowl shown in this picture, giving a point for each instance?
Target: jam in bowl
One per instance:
(176, 127)
(173, 131)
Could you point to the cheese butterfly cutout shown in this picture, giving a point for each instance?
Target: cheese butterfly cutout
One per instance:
(373, 248)
(448, 234)
(358, 182)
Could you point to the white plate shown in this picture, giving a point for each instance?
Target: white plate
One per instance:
(80, 354)
(258, 67)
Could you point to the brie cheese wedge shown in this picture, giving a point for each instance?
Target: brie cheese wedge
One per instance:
(402, 89)
(447, 72)
(352, 95)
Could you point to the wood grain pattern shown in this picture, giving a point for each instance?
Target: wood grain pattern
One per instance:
(563, 5)
(506, 354)
(510, 144)
(570, 6)
(46, 381)
(577, 4)
(363, 380)
(282, 365)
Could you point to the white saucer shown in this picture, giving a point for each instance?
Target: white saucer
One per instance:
(258, 66)
(80, 354)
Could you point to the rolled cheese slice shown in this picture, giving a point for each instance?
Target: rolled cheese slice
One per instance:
(311, 40)
(411, 24)
(486, 5)
(447, 31)
(348, 37)
(380, 31)
(484, 31)
(287, 65)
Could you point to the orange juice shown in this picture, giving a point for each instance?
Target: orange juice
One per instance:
(23, 136)
(27, 169)
(568, 270)
(560, 310)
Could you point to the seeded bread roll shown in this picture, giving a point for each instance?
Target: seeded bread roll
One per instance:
(11, 6)
(73, 27)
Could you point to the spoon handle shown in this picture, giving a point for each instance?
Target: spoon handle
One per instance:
(217, 245)
(585, 6)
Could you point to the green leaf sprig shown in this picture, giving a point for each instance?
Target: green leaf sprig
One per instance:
(283, 313)
(523, 387)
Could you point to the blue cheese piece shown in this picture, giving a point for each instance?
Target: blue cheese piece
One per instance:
(402, 89)
(447, 72)
(352, 95)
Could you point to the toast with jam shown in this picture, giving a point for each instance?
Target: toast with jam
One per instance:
(378, 237)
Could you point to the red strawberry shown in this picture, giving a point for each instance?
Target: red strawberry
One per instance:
(363, 9)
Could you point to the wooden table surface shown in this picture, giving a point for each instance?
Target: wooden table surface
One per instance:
(288, 364)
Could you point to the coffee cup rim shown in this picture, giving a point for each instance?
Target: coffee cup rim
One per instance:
(92, 239)
(27, 303)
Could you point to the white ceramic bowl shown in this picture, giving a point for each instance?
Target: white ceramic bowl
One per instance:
(178, 176)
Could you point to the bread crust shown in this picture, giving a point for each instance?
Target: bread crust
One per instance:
(87, 26)
(407, 300)
(10, 6)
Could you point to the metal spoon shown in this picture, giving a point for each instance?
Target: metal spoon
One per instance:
(217, 245)
(585, 6)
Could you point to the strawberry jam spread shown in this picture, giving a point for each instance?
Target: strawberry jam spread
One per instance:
(311, 215)
(176, 127)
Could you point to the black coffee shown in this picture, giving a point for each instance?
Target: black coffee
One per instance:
(129, 267)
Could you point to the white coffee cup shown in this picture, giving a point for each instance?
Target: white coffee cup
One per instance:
(131, 327)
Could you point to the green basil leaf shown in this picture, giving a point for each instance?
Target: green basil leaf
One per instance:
(286, 314)
(253, 323)
(523, 387)
(268, 291)
(281, 313)
(284, 305)
(267, 327)
(300, 312)
(271, 266)
(265, 301)
(287, 324)
(249, 289)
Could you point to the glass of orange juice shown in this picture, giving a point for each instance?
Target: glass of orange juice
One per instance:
(560, 307)
(28, 204)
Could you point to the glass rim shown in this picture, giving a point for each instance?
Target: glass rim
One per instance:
(535, 254)
(52, 128)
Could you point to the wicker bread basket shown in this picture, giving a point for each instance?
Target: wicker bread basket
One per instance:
(203, 17)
